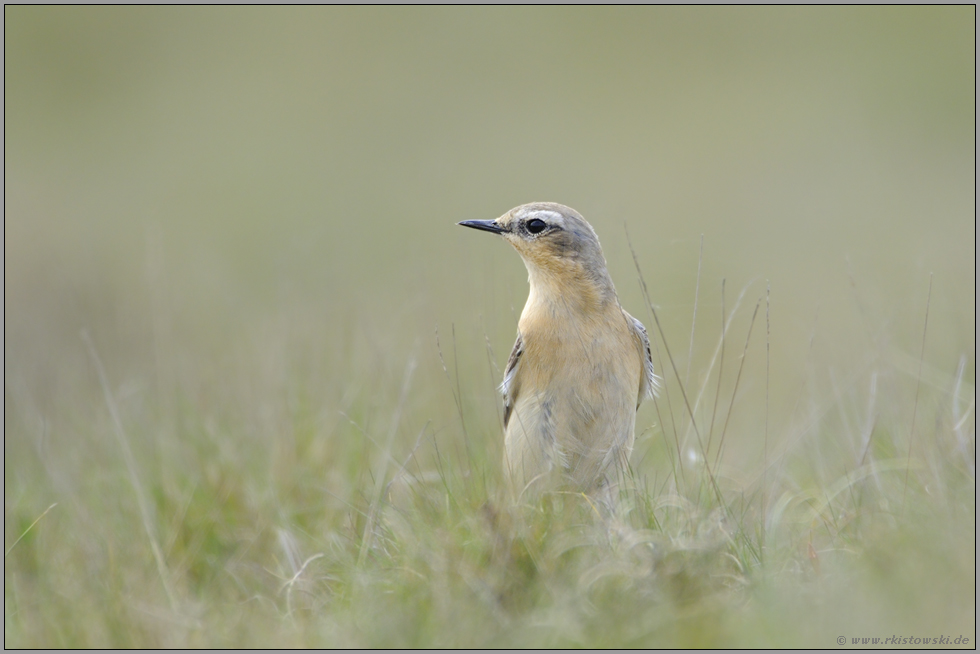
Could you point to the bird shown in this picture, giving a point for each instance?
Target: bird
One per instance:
(581, 364)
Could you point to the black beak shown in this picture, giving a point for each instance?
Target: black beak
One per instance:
(485, 225)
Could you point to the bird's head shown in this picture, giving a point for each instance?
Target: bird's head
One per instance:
(557, 244)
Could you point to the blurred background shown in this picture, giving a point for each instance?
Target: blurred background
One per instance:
(176, 178)
(251, 214)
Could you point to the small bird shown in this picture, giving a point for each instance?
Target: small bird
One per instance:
(581, 365)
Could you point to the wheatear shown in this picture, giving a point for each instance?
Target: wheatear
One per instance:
(581, 365)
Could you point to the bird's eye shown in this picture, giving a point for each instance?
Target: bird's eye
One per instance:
(536, 226)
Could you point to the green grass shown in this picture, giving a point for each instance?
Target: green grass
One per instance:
(382, 521)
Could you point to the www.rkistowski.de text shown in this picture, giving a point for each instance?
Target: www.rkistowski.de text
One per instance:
(906, 640)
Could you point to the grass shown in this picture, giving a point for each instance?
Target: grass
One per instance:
(251, 513)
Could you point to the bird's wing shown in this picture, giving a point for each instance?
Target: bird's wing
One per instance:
(508, 387)
(649, 381)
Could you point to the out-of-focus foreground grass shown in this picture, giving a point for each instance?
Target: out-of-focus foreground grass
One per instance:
(250, 361)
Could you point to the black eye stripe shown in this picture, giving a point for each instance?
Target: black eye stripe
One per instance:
(536, 225)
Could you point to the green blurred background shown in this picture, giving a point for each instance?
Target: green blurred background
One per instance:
(251, 208)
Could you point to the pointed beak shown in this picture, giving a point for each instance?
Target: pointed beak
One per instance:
(485, 225)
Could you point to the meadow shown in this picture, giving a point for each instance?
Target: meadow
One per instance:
(251, 363)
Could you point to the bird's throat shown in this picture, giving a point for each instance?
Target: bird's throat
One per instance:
(568, 293)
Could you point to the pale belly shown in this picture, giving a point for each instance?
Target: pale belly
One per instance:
(577, 426)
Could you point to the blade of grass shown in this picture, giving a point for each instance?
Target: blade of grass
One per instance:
(694, 319)
(379, 482)
(738, 377)
(19, 538)
(677, 376)
(918, 384)
(134, 479)
(765, 441)
(721, 364)
(656, 345)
